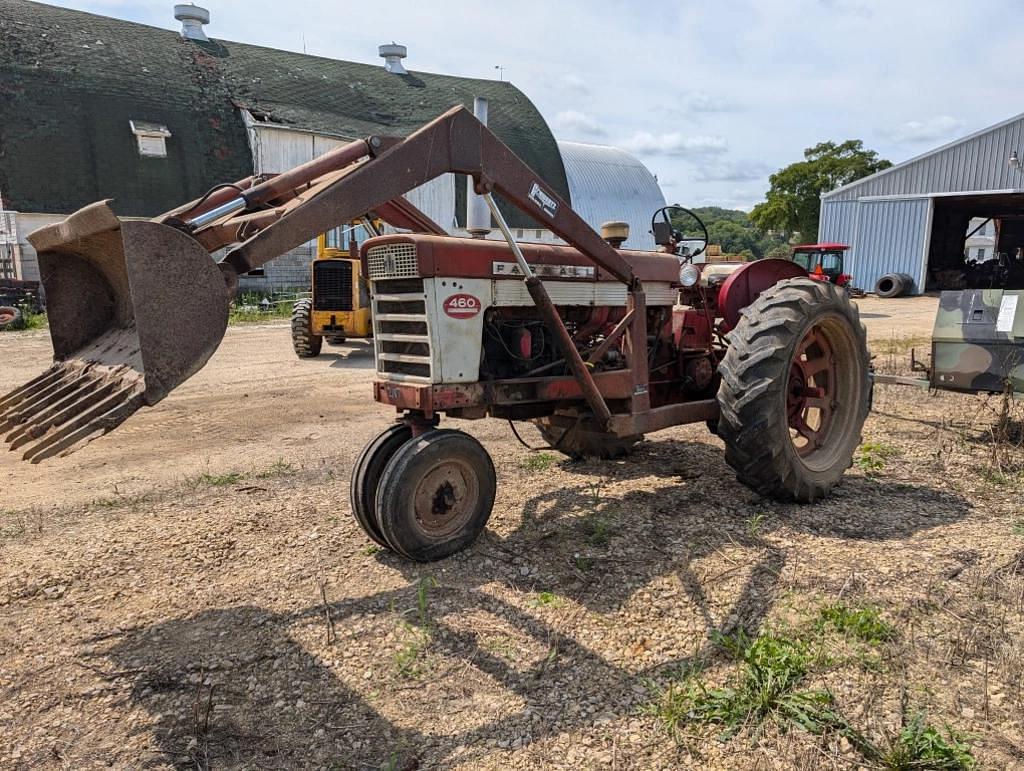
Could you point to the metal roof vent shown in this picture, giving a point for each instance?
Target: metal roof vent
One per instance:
(192, 19)
(393, 53)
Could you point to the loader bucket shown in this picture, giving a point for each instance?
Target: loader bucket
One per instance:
(135, 308)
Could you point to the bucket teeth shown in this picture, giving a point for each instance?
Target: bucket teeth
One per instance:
(67, 406)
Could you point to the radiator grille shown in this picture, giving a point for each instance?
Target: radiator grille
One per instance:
(332, 285)
(392, 261)
(401, 334)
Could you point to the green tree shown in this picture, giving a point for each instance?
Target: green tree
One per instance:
(793, 200)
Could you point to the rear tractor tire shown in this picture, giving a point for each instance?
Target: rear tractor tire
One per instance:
(306, 344)
(435, 495)
(795, 390)
(577, 443)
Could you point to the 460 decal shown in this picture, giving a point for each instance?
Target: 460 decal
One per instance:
(462, 306)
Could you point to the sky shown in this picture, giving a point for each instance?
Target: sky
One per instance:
(712, 95)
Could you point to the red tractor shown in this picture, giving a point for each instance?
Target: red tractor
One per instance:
(824, 262)
(597, 345)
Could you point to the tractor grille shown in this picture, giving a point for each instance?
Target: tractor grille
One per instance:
(332, 285)
(401, 335)
(392, 261)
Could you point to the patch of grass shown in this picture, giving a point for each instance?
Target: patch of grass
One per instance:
(372, 549)
(583, 564)
(865, 624)
(871, 456)
(422, 606)
(548, 600)
(998, 478)
(280, 468)
(538, 461)
(119, 500)
(408, 661)
(215, 480)
(756, 523)
(1018, 527)
(598, 527)
(259, 306)
(920, 745)
(766, 689)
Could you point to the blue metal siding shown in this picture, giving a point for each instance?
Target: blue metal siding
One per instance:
(890, 237)
(975, 163)
(838, 221)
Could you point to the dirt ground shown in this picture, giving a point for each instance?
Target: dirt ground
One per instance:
(191, 590)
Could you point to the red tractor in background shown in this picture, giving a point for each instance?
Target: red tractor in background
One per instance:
(824, 262)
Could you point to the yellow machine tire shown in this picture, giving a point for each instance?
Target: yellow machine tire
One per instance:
(306, 344)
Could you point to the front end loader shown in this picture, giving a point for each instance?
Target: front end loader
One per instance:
(598, 346)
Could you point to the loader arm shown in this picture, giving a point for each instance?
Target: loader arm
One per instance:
(454, 142)
(137, 306)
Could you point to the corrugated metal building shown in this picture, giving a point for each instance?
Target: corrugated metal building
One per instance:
(607, 183)
(914, 217)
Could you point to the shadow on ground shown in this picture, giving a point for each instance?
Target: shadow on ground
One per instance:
(599, 547)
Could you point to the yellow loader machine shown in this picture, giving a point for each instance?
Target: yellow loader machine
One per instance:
(596, 344)
(339, 305)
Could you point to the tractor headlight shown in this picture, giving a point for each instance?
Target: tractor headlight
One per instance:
(689, 275)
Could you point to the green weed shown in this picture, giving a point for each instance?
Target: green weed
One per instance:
(756, 523)
(920, 745)
(538, 461)
(865, 624)
(259, 306)
(767, 689)
(215, 480)
(871, 456)
(372, 549)
(548, 600)
(1018, 527)
(583, 564)
(280, 468)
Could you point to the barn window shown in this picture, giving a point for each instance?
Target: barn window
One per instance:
(151, 138)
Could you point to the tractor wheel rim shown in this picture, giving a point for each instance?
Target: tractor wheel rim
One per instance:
(810, 392)
(445, 498)
(5, 317)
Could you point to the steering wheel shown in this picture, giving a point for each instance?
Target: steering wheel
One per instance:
(667, 233)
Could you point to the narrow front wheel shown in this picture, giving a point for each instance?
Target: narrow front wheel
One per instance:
(366, 476)
(435, 495)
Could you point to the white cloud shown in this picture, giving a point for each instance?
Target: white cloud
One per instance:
(930, 130)
(570, 81)
(732, 171)
(675, 144)
(573, 123)
(703, 102)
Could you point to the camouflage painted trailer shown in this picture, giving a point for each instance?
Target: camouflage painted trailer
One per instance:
(978, 341)
(977, 344)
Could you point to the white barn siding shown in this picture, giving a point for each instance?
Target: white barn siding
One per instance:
(276, 150)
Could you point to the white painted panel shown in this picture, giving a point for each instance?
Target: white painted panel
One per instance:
(462, 338)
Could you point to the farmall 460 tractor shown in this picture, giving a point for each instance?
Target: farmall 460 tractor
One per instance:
(597, 345)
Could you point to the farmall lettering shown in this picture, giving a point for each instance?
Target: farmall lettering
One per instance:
(554, 271)
(462, 306)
